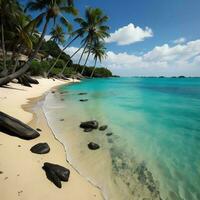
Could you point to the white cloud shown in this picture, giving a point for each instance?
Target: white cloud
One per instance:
(180, 40)
(129, 34)
(162, 60)
(47, 37)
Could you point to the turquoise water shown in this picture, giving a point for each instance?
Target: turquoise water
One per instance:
(156, 120)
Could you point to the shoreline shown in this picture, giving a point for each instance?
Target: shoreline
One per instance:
(37, 185)
(103, 167)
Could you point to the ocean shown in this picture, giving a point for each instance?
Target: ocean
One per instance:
(154, 149)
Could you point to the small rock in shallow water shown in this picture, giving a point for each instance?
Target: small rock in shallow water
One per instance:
(93, 146)
(40, 148)
(103, 128)
(83, 100)
(61, 120)
(82, 93)
(88, 130)
(89, 124)
(109, 134)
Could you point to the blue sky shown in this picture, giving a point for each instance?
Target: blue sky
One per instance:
(172, 36)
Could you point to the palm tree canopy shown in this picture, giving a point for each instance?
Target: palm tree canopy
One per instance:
(57, 34)
(53, 9)
(93, 26)
(98, 50)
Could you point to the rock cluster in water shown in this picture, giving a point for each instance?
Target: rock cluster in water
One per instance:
(56, 173)
(89, 124)
(135, 175)
(15, 127)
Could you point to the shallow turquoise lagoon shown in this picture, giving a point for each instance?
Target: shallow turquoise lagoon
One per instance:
(157, 120)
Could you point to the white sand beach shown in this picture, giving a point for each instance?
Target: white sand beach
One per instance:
(21, 173)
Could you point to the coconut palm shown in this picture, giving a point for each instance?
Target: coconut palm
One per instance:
(98, 50)
(57, 34)
(93, 27)
(75, 35)
(8, 10)
(51, 10)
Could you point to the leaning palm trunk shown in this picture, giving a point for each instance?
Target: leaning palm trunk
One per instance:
(93, 69)
(26, 66)
(86, 61)
(5, 70)
(81, 57)
(61, 54)
(70, 59)
(82, 54)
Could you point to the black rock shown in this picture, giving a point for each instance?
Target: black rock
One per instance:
(103, 128)
(82, 93)
(56, 173)
(51, 175)
(89, 124)
(40, 148)
(93, 146)
(109, 134)
(14, 127)
(88, 129)
(83, 100)
(38, 129)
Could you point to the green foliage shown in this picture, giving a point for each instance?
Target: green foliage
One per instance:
(99, 71)
(102, 72)
(51, 48)
(38, 68)
(60, 64)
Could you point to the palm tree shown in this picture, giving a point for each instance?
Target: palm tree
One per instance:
(75, 35)
(8, 9)
(99, 52)
(51, 9)
(57, 34)
(93, 28)
(65, 66)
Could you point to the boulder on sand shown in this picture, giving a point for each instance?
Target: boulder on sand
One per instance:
(93, 146)
(40, 148)
(56, 173)
(103, 128)
(14, 127)
(89, 124)
(109, 134)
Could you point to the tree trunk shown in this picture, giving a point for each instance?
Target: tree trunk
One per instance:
(86, 61)
(82, 54)
(70, 59)
(5, 70)
(61, 54)
(26, 66)
(94, 68)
